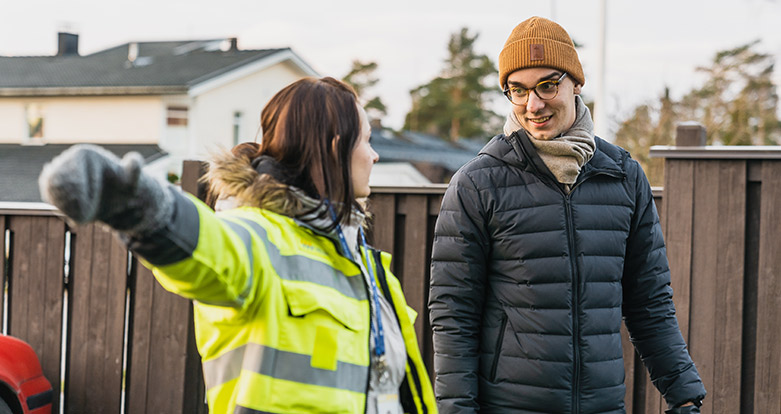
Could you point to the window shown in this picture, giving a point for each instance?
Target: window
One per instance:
(236, 128)
(34, 121)
(177, 116)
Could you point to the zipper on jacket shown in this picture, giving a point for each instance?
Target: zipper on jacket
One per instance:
(576, 282)
(368, 296)
(498, 347)
(575, 306)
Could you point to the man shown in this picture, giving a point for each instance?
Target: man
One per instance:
(544, 241)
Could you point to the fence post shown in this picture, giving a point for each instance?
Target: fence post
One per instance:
(192, 171)
(690, 134)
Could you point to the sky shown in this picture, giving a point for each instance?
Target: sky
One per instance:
(649, 45)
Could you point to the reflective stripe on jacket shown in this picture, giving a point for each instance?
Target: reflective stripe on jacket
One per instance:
(281, 318)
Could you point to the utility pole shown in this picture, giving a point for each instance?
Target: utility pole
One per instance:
(553, 10)
(600, 105)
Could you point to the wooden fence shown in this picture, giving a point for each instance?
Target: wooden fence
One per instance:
(128, 344)
(722, 224)
(129, 347)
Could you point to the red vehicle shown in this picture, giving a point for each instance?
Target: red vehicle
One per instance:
(23, 388)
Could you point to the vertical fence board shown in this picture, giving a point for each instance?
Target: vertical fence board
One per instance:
(96, 318)
(19, 279)
(53, 288)
(36, 277)
(677, 224)
(35, 283)
(159, 348)
(139, 347)
(115, 320)
(194, 390)
(767, 398)
(76, 385)
(629, 370)
(159, 401)
(383, 208)
(97, 290)
(414, 282)
(704, 268)
(728, 285)
(169, 333)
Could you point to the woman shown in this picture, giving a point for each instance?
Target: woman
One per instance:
(293, 311)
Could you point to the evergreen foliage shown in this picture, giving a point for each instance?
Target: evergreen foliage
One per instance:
(455, 104)
(737, 104)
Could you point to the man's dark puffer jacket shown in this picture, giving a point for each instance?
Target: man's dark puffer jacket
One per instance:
(529, 285)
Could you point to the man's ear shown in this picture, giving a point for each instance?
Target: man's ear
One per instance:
(577, 89)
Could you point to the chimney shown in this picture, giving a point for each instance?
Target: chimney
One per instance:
(132, 52)
(67, 44)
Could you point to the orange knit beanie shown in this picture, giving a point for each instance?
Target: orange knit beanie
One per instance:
(539, 42)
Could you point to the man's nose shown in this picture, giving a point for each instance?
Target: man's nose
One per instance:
(534, 103)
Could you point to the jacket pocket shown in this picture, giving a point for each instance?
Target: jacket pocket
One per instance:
(498, 346)
(303, 299)
(326, 319)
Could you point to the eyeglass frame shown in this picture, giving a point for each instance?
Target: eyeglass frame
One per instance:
(506, 92)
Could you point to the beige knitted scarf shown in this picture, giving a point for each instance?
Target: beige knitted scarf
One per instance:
(566, 154)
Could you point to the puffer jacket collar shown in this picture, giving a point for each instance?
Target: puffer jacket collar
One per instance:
(517, 151)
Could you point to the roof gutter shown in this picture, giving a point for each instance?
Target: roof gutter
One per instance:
(93, 90)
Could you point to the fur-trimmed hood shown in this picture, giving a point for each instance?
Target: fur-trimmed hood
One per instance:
(235, 177)
(265, 183)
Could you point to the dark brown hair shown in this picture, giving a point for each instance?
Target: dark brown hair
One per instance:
(311, 128)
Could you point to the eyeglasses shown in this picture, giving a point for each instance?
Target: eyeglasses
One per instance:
(544, 90)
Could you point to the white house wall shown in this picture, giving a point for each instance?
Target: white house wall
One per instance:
(95, 119)
(13, 127)
(212, 112)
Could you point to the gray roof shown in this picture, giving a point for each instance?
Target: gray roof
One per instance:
(165, 67)
(20, 166)
(410, 146)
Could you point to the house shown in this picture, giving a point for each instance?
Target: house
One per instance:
(186, 97)
(413, 158)
(170, 101)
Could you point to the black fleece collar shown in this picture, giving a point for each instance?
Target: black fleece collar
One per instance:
(266, 164)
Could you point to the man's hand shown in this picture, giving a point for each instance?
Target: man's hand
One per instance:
(88, 183)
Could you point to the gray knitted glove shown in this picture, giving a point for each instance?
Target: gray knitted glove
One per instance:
(88, 183)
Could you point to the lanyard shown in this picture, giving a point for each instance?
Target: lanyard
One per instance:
(376, 328)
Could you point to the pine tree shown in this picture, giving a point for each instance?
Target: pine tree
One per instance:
(454, 104)
(737, 104)
(361, 77)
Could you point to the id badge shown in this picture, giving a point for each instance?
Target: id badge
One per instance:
(388, 404)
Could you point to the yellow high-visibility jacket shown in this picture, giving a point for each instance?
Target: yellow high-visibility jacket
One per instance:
(282, 319)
